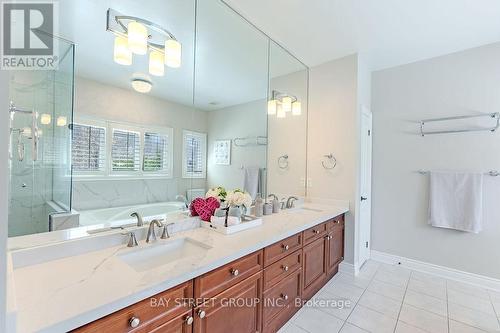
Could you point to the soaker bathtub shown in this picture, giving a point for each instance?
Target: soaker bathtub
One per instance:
(121, 215)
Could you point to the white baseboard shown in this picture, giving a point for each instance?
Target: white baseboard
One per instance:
(441, 271)
(347, 268)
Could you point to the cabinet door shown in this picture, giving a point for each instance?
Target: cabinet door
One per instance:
(314, 269)
(180, 324)
(335, 249)
(238, 309)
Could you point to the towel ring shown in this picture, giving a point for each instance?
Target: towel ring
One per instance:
(283, 161)
(331, 162)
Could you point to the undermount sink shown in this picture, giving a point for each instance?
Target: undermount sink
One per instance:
(149, 256)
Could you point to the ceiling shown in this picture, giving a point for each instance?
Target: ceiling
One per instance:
(231, 55)
(387, 32)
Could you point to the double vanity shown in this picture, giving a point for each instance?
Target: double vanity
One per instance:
(194, 281)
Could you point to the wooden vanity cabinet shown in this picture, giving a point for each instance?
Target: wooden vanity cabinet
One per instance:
(165, 309)
(235, 297)
(334, 246)
(238, 309)
(314, 267)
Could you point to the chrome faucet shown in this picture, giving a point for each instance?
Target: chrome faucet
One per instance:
(132, 241)
(290, 203)
(140, 222)
(151, 237)
(165, 234)
(274, 196)
(182, 198)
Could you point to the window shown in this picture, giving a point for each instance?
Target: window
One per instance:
(125, 151)
(194, 154)
(110, 149)
(157, 157)
(88, 150)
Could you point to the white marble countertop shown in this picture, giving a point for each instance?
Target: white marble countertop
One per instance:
(63, 294)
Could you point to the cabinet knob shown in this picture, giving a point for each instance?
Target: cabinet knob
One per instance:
(286, 247)
(201, 314)
(234, 272)
(134, 322)
(189, 320)
(337, 222)
(285, 268)
(316, 231)
(284, 296)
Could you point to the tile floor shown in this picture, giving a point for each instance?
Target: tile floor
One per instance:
(385, 298)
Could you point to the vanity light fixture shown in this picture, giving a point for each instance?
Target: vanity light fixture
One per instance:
(287, 103)
(280, 113)
(281, 103)
(137, 35)
(45, 119)
(61, 121)
(156, 63)
(121, 53)
(141, 85)
(173, 53)
(272, 106)
(296, 108)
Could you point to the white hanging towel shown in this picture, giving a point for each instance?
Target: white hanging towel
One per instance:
(252, 180)
(456, 201)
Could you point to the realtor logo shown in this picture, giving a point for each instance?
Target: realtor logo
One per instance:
(28, 41)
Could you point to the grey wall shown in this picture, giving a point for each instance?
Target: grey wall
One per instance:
(458, 84)
(242, 120)
(333, 128)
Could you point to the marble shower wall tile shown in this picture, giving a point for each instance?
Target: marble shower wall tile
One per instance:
(116, 193)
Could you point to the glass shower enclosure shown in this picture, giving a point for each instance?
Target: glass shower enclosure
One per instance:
(41, 113)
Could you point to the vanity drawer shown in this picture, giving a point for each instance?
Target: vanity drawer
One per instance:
(218, 280)
(314, 233)
(281, 249)
(282, 268)
(282, 297)
(336, 222)
(152, 311)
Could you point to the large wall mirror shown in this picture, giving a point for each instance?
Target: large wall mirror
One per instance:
(149, 122)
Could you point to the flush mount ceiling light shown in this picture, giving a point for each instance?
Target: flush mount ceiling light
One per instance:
(141, 85)
(282, 103)
(134, 35)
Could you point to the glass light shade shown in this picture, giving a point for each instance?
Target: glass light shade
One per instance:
(26, 132)
(272, 106)
(173, 53)
(122, 54)
(137, 37)
(296, 108)
(287, 104)
(280, 112)
(61, 121)
(142, 86)
(45, 119)
(156, 63)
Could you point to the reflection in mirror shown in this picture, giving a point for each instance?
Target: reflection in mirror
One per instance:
(40, 112)
(133, 104)
(287, 118)
(231, 86)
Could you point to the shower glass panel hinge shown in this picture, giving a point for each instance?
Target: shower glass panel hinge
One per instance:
(366, 244)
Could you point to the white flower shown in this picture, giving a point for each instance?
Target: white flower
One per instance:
(217, 192)
(239, 198)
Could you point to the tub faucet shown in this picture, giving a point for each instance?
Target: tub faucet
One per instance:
(140, 222)
(290, 203)
(182, 198)
(151, 237)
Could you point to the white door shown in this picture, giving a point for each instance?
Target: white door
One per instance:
(365, 186)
